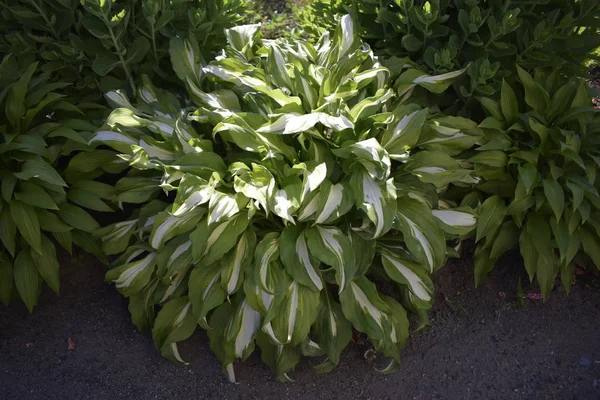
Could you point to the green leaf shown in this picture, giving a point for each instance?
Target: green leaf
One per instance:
(6, 279)
(509, 103)
(27, 279)
(47, 264)
(34, 195)
(15, 102)
(491, 215)
(535, 96)
(25, 217)
(555, 196)
(280, 358)
(591, 245)
(77, 218)
(37, 168)
(332, 329)
(205, 290)
(8, 230)
(332, 247)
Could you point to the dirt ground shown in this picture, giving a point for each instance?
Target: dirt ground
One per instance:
(82, 345)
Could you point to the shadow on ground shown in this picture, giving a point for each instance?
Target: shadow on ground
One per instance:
(480, 347)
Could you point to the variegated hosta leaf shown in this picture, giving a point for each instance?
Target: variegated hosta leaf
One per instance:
(131, 277)
(411, 274)
(332, 247)
(265, 303)
(266, 253)
(175, 322)
(313, 178)
(404, 132)
(367, 311)
(205, 291)
(333, 202)
(371, 156)
(192, 192)
(167, 226)
(437, 168)
(299, 263)
(211, 243)
(332, 329)
(422, 234)
(241, 330)
(115, 238)
(257, 184)
(235, 263)
(286, 201)
(377, 200)
(297, 312)
(435, 84)
(455, 222)
(223, 206)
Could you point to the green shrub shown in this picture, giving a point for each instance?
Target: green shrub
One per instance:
(539, 161)
(486, 37)
(72, 51)
(38, 126)
(280, 207)
(104, 43)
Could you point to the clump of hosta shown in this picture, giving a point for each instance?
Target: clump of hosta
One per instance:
(280, 205)
(38, 126)
(539, 160)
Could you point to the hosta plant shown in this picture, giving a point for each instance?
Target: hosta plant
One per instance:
(486, 37)
(280, 212)
(539, 161)
(38, 126)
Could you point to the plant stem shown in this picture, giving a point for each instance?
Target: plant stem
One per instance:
(119, 53)
(50, 26)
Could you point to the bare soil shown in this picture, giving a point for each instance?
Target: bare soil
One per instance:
(82, 345)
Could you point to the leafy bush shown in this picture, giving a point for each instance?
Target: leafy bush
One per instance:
(280, 205)
(104, 43)
(539, 160)
(72, 51)
(486, 37)
(38, 126)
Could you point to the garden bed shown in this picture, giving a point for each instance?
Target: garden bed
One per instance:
(481, 345)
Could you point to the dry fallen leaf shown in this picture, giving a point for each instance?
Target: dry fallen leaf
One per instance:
(71, 344)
